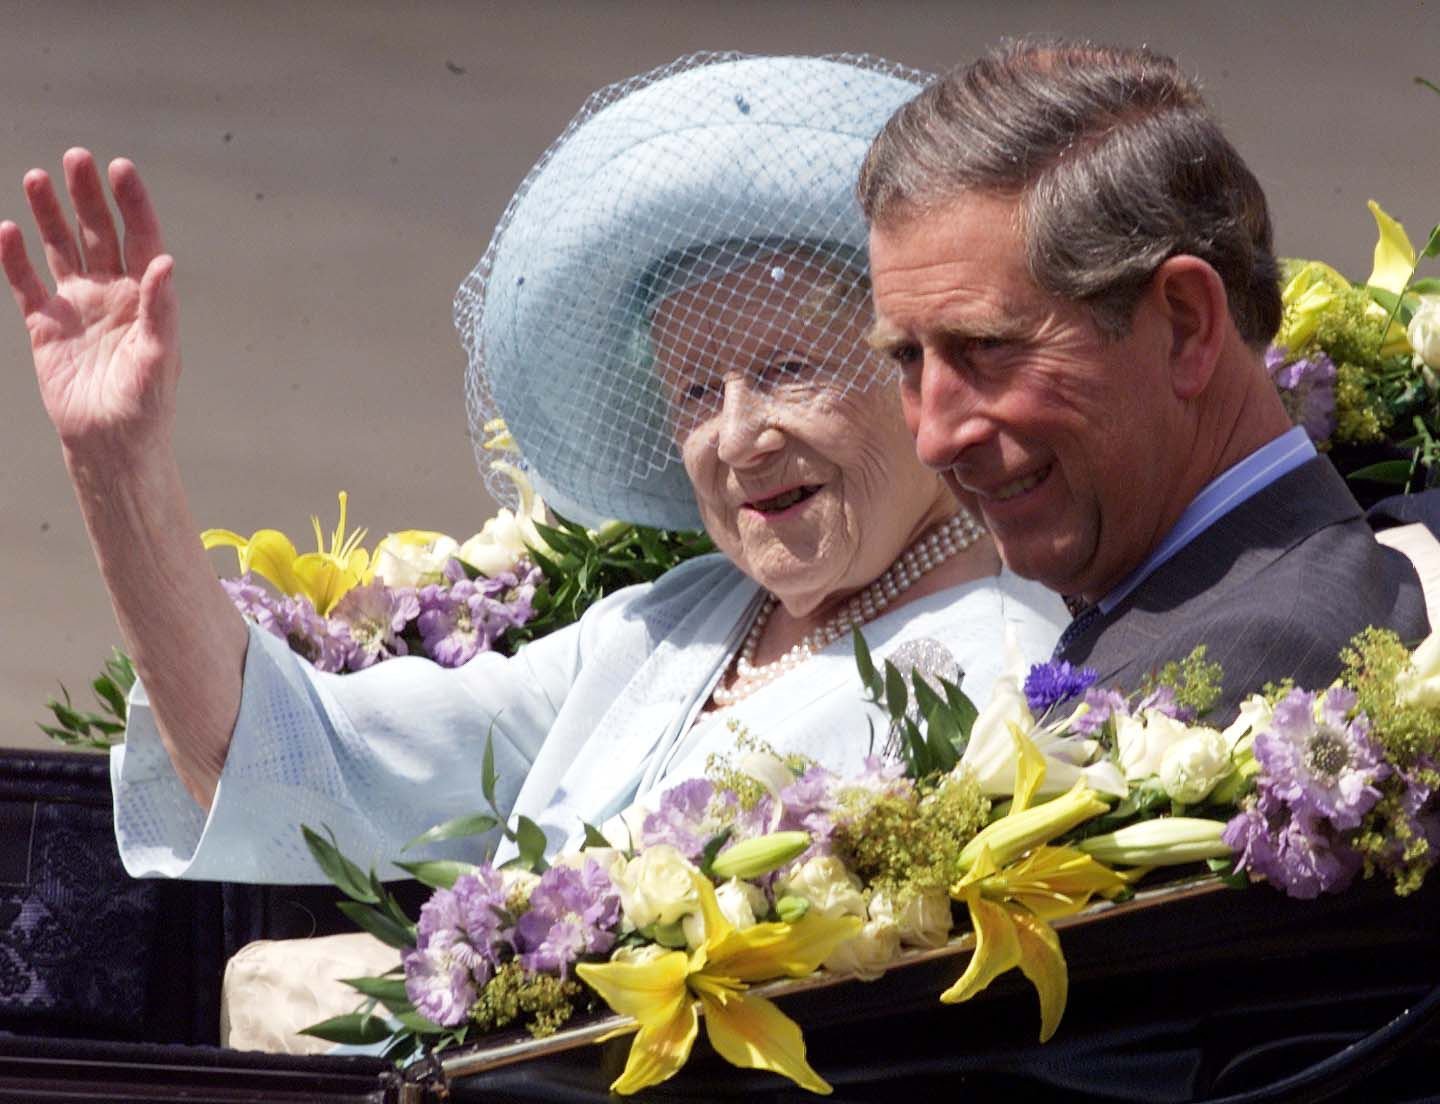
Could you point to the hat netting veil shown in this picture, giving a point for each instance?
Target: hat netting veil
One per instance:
(667, 181)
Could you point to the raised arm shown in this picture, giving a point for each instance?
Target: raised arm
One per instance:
(107, 358)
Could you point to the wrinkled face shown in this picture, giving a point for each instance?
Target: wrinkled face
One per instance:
(1068, 441)
(811, 492)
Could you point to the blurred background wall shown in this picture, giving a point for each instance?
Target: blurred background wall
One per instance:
(328, 171)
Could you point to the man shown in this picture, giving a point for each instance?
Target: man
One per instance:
(1073, 273)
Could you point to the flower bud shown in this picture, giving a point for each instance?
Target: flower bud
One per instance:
(754, 857)
(1190, 769)
(1166, 841)
(1013, 835)
(790, 909)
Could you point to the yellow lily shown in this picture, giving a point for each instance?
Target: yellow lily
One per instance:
(321, 576)
(500, 439)
(748, 1031)
(1306, 297)
(1393, 266)
(1012, 899)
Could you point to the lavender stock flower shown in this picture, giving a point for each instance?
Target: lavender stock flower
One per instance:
(1051, 683)
(1307, 389)
(573, 912)
(375, 616)
(460, 938)
(459, 621)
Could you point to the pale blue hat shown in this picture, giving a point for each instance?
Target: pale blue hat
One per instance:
(712, 149)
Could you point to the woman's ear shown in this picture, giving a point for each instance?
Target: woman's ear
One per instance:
(1193, 307)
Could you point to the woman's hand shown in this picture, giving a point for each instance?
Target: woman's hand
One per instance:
(105, 344)
(107, 359)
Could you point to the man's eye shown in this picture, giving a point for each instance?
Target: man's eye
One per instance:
(905, 354)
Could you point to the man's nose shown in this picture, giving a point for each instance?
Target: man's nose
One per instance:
(945, 415)
(746, 432)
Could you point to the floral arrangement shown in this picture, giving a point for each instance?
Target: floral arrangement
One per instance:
(417, 592)
(1356, 364)
(999, 822)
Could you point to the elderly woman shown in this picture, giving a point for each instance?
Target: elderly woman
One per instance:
(671, 318)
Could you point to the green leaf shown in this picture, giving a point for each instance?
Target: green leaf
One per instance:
(866, 666)
(348, 877)
(106, 690)
(593, 837)
(896, 699)
(418, 1023)
(438, 873)
(387, 990)
(488, 776)
(1430, 285)
(1386, 471)
(354, 1029)
(472, 824)
(711, 849)
(378, 924)
(1432, 244)
(961, 707)
(943, 756)
(530, 843)
(926, 700)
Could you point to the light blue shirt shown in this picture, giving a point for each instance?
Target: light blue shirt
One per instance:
(1218, 497)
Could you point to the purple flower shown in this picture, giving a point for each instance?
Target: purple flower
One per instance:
(1052, 683)
(1326, 767)
(1162, 700)
(1293, 851)
(682, 819)
(439, 987)
(252, 600)
(1104, 704)
(459, 620)
(1307, 389)
(375, 615)
(573, 912)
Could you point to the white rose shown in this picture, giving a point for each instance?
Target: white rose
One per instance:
(923, 922)
(639, 954)
(412, 558)
(1424, 331)
(868, 953)
(741, 903)
(1419, 684)
(1143, 740)
(656, 887)
(827, 885)
(1190, 769)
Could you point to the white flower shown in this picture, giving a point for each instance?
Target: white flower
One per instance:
(827, 885)
(923, 922)
(740, 902)
(638, 954)
(866, 955)
(1424, 331)
(1254, 716)
(990, 754)
(518, 881)
(656, 887)
(1194, 766)
(1419, 684)
(1142, 741)
(508, 536)
(412, 558)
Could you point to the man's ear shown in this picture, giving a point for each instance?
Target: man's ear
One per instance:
(1190, 298)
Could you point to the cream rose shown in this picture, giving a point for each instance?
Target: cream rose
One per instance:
(923, 922)
(865, 956)
(1143, 740)
(656, 887)
(741, 903)
(1424, 331)
(827, 885)
(1194, 766)
(412, 558)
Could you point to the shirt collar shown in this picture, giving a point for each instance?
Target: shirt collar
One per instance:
(1216, 499)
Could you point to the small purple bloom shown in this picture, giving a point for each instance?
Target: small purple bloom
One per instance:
(683, 818)
(573, 912)
(439, 987)
(1054, 682)
(375, 616)
(1162, 700)
(1307, 389)
(1104, 704)
(1291, 850)
(1326, 767)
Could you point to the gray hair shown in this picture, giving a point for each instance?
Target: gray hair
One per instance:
(1117, 164)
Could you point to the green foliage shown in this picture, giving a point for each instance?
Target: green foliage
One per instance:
(934, 747)
(83, 729)
(586, 565)
(1195, 682)
(538, 1002)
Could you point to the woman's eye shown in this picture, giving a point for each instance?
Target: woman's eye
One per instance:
(789, 368)
(695, 392)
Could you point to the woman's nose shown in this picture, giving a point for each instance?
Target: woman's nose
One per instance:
(746, 432)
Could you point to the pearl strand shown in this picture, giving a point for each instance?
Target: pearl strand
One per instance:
(948, 539)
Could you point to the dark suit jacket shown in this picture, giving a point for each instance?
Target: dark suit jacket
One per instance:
(1274, 589)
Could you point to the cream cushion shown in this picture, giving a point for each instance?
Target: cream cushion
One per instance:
(273, 988)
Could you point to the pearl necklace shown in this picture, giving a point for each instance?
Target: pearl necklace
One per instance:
(948, 539)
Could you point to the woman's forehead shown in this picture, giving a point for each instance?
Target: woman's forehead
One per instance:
(774, 299)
